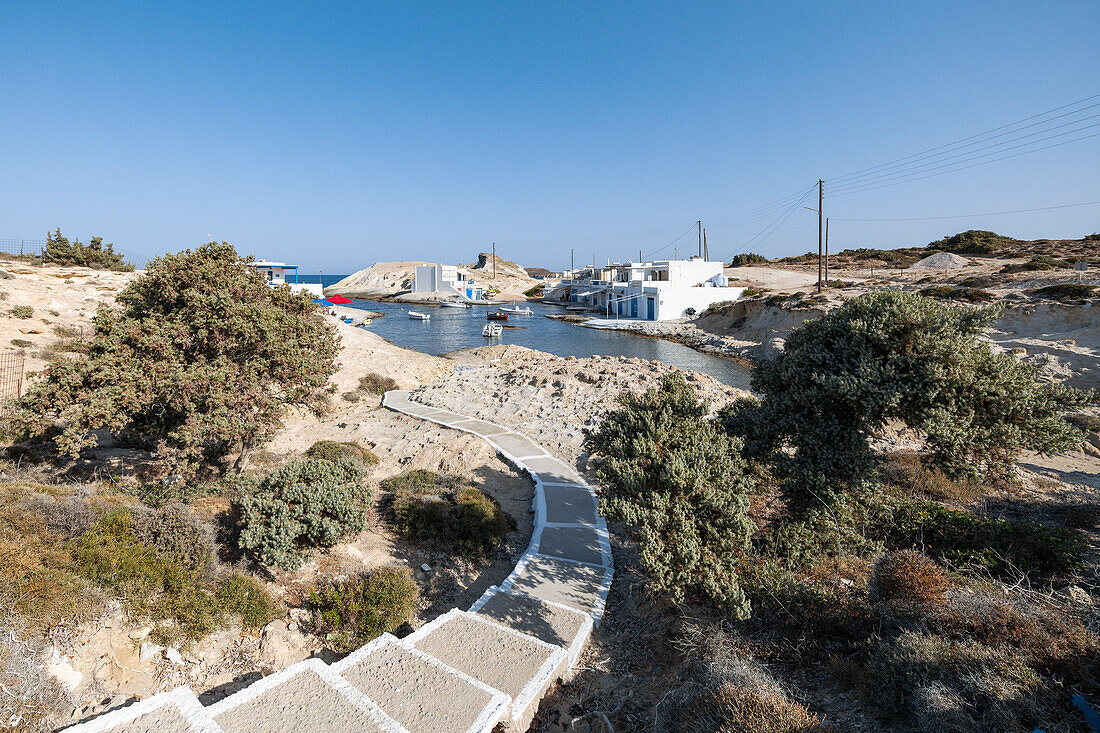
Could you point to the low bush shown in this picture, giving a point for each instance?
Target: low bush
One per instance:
(306, 504)
(535, 291)
(446, 512)
(1004, 549)
(1040, 262)
(750, 292)
(748, 259)
(22, 311)
(731, 708)
(246, 598)
(967, 295)
(349, 613)
(909, 473)
(947, 684)
(909, 583)
(1065, 291)
(974, 242)
(376, 384)
(331, 450)
(22, 343)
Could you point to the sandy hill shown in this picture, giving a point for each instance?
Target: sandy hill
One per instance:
(396, 279)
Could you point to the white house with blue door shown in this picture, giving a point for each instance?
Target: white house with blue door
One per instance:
(653, 291)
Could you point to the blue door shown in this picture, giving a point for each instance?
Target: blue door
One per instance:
(649, 308)
(634, 308)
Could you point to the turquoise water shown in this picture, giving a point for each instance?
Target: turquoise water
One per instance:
(453, 328)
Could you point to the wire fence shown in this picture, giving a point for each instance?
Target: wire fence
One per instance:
(11, 375)
(31, 251)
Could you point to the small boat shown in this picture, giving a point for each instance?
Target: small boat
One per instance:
(498, 316)
(519, 311)
(492, 330)
(452, 304)
(416, 316)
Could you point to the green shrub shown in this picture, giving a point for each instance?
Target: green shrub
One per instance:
(245, 597)
(1065, 291)
(678, 484)
(535, 291)
(999, 547)
(894, 356)
(22, 311)
(59, 250)
(349, 613)
(331, 450)
(909, 583)
(22, 343)
(1041, 262)
(748, 259)
(968, 295)
(750, 292)
(444, 513)
(974, 242)
(199, 353)
(306, 504)
(376, 384)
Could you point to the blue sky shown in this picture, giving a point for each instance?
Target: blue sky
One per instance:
(337, 135)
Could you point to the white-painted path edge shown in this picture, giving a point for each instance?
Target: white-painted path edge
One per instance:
(523, 635)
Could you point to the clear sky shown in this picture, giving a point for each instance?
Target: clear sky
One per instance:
(336, 135)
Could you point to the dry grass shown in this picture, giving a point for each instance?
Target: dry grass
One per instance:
(907, 472)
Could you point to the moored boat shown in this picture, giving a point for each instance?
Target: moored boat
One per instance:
(526, 311)
(417, 316)
(492, 330)
(452, 304)
(498, 316)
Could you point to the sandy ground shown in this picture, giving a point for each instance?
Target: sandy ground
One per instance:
(64, 299)
(395, 280)
(551, 399)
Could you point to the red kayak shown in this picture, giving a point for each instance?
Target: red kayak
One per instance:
(497, 316)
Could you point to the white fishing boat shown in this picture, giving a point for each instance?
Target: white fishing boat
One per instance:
(417, 316)
(492, 330)
(526, 311)
(452, 304)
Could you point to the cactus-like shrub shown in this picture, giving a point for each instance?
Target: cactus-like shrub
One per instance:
(306, 504)
(349, 613)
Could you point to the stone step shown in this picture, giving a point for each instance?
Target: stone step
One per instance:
(420, 692)
(553, 623)
(577, 585)
(177, 711)
(588, 543)
(519, 665)
(308, 697)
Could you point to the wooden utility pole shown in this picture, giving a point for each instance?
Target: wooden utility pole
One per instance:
(571, 265)
(820, 230)
(494, 260)
(826, 250)
(706, 250)
(699, 225)
(639, 255)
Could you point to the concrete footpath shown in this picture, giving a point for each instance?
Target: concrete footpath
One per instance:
(463, 672)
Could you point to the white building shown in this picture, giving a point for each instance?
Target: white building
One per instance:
(276, 273)
(650, 291)
(446, 279)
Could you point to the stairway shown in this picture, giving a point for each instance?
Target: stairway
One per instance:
(463, 672)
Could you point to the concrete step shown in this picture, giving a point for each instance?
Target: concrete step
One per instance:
(177, 711)
(308, 697)
(576, 585)
(553, 623)
(519, 665)
(420, 692)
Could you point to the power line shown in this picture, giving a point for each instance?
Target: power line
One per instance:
(974, 155)
(853, 174)
(846, 192)
(986, 213)
(771, 229)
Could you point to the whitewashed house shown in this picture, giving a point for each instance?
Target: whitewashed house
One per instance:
(446, 279)
(277, 272)
(652, 291)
